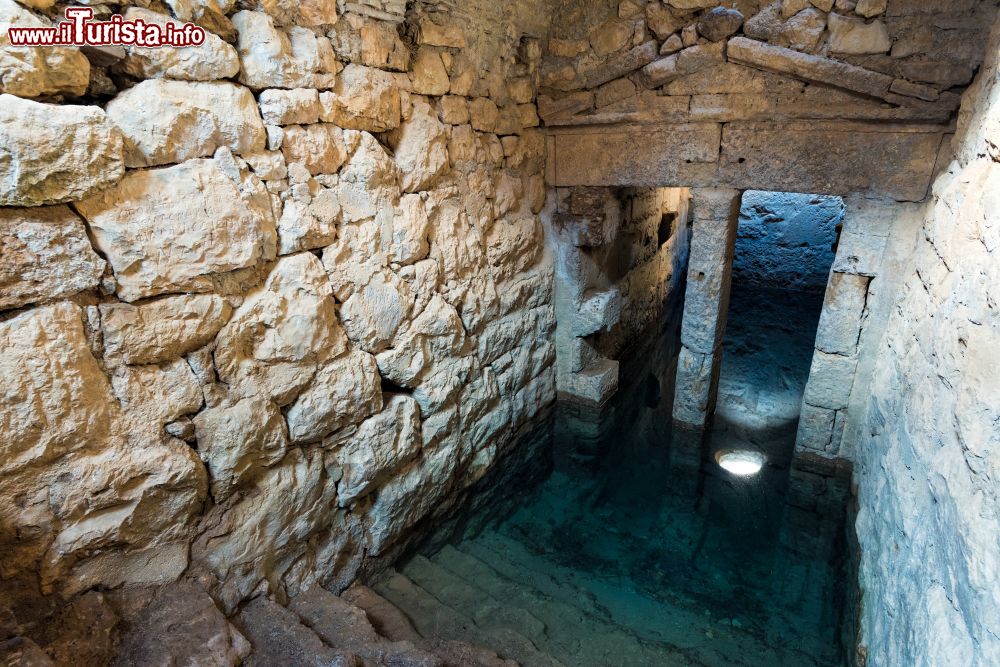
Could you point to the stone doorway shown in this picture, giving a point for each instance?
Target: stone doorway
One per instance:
(783, 253)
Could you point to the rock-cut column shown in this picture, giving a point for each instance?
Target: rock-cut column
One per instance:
(706, 303)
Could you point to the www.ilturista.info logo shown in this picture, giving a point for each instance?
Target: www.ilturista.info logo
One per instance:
(80, 29)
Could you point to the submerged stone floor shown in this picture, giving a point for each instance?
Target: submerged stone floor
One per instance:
(639, 549)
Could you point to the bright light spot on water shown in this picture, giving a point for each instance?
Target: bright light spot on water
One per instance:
(740, 462)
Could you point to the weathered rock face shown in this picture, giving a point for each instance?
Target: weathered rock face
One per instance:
(169, 230)
(216, 400)
(276, 339)
(364, 98)
(273, 58)
(44, 255)
(51, 154)
(420, 146)
(64, 477)
(928, 456)
(786, 240)
(163, 121)
(161, 330)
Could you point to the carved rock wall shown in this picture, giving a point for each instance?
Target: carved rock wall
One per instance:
(927, 458)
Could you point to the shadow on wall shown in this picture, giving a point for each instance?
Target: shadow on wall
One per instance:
(787, 240)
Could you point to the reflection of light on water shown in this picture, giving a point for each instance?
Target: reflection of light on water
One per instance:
(740, 462)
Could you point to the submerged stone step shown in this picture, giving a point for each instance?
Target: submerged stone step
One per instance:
(573, 635)
(474, 598)
(345, 626)
(435, 619)
(391, 623)
(683, 626)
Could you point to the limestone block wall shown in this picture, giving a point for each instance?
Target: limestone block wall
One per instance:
(927, 457)
(269, 304)
(798, 96)
(690, 61)
(621, 257)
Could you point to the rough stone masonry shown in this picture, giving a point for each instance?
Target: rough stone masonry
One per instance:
(267, 303)
(270, 305)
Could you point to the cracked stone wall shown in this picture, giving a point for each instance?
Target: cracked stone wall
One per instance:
(927, 461)
(620, 258)
(270, 303)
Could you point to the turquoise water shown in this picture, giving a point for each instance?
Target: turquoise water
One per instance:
(749, 567)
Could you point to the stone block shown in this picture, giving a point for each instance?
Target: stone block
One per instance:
(550, 108)
(599, 311)
(859, 253)
(829, 158)
(844, 312)
(696, 388)
(650, 157)
(168, 230)
(161, 330)
(294, 57)
(596, 384)
(706, 300)
(281, 333)
(75, 401)
(835, 73)
(716, 204)
(831, 379)
(854, 36)
(299, 106)
(44, 255)
(165, 121)
(364, 98)
(50, 154)
(619, 66)
(211, 60)
(382, 445)
(719, 23)
(815, 431)
(42, 70)
(421, 148)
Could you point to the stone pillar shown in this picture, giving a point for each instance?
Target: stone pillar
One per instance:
(706, 304)
(875, 244)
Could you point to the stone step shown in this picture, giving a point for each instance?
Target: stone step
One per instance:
(575, 636)
(511, 559)
(279, 639)
(343, 625)
(682, 625)
(434, 618)
(390, 622)
(470, 598)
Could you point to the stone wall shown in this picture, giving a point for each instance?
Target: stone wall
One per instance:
(271, 303)
(823, 96)
(786, 240)
(620, 258)
(927, 457)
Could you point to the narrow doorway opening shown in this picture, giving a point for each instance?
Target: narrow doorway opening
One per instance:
(785, 247)
(767, 518)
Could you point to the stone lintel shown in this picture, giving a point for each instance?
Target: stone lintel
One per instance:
(888, 160)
